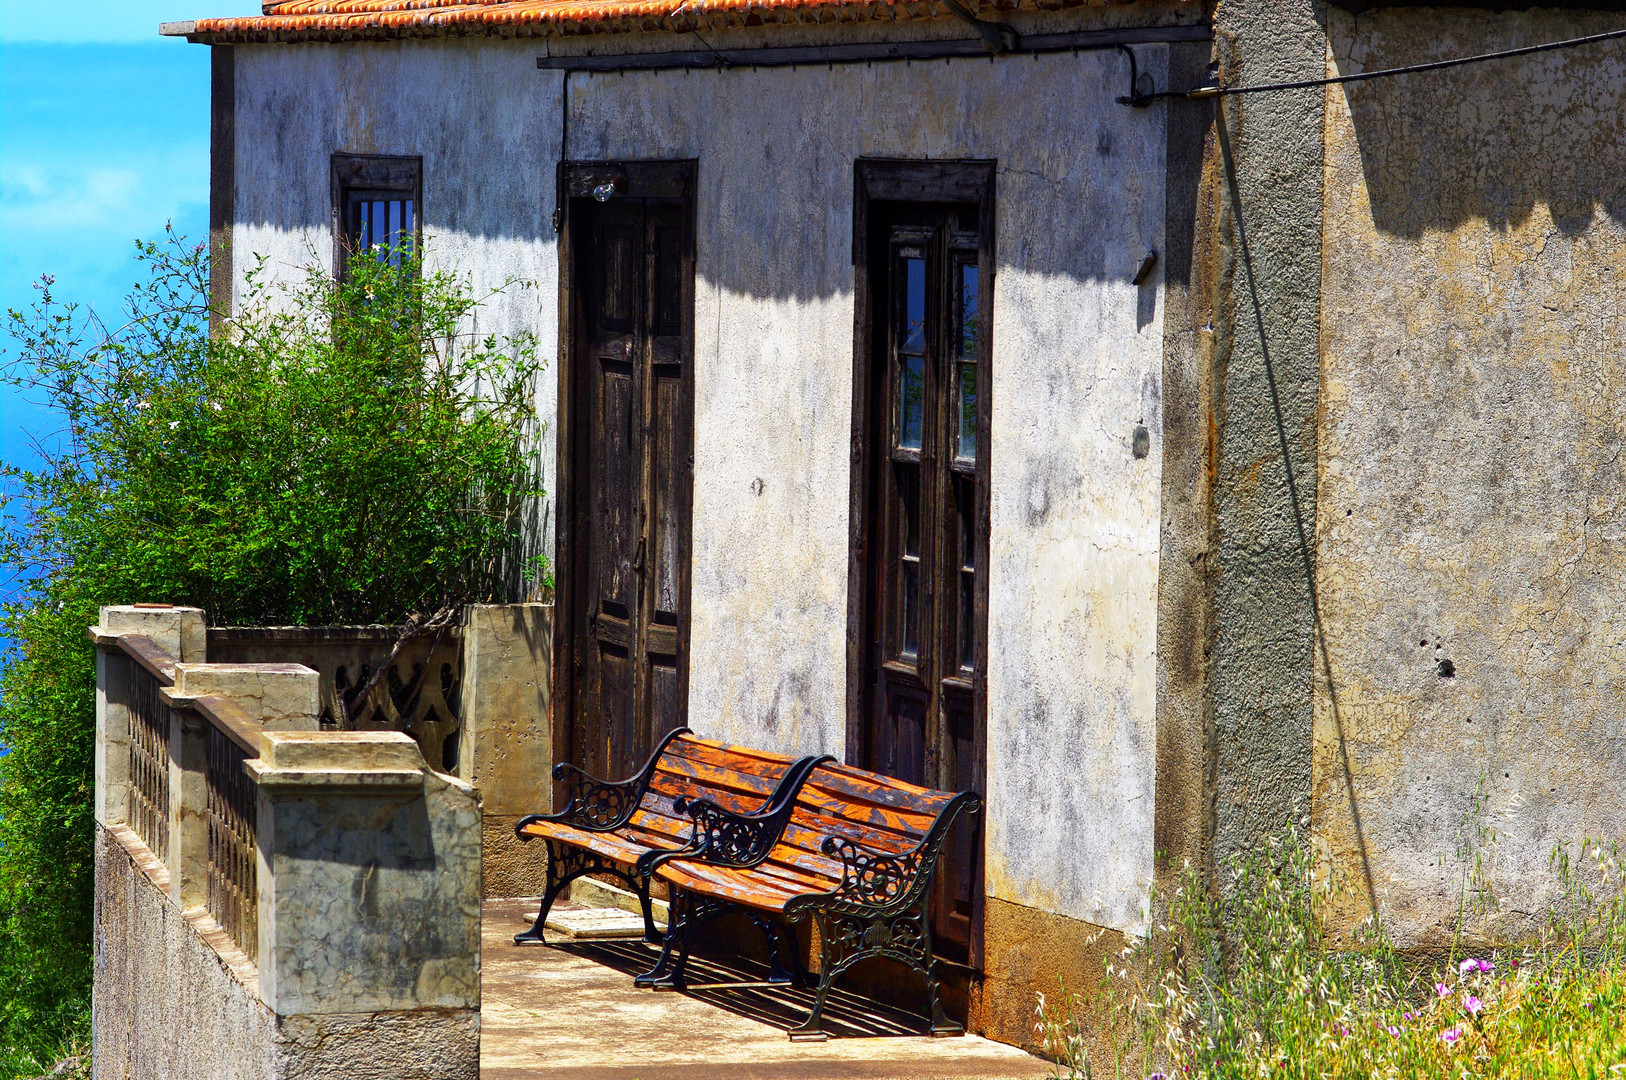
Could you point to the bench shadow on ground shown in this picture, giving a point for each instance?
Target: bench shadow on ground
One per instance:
(740, 986)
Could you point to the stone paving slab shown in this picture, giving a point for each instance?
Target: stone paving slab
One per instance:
(570, 1011)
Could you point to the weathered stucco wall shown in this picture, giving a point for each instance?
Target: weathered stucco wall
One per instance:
(1264, 371)
(1077, 365)
(1471, 534)
(488, 135)
(1078, 357)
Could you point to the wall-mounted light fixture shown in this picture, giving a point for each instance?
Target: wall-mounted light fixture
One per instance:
(615, 185)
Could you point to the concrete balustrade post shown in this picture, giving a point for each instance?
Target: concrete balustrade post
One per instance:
(283, 697)
(506, 750)
(179, 631)
(188, 808)
(369, 885)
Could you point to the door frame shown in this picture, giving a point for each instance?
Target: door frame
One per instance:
(909, 181)
(575, 180)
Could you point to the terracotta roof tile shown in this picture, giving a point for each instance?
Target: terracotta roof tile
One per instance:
(304, 20)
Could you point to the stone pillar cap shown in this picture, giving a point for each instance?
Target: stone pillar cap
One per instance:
(381, 759)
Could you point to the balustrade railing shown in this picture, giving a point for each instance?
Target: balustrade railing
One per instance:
(148, 811)
(230, 806)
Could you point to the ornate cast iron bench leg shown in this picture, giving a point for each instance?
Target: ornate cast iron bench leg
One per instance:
(845, 939)
(566, 863)
(781, 946)
(689, 914)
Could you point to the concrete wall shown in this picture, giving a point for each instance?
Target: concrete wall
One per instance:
(168, 1007)
(1470, 508)
(1077, 366)
(1264, 370)
(488, 134)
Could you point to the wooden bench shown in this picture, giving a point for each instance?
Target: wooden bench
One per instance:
(856, 854)
(607, 826)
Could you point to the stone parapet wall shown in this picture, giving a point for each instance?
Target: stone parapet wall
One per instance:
(343, 871)
(167, 1006)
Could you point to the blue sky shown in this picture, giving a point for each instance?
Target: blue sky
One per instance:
(104, 136)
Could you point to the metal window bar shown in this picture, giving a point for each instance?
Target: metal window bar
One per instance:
(384, 226)
(232, 878)
(148, 812)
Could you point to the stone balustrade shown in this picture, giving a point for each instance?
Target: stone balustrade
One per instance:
(272, 900)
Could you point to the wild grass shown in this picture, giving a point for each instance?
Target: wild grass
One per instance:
(1242, 981)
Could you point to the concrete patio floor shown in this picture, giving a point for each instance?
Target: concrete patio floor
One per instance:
(570, 1010)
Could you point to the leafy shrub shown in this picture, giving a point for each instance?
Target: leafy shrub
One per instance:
(337, 453)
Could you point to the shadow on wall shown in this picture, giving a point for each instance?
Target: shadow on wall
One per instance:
(1081, 177)
(1489, 141)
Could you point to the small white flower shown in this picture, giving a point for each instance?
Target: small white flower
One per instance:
(173, 424)
(215, 405)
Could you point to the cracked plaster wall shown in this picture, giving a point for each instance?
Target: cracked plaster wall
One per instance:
(1078, 365)
(1471, 511)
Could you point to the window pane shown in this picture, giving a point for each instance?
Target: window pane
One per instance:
(911, 607)
(968, 312)
(911, 403)
(914, 334)
(968, 590)
(967, 447)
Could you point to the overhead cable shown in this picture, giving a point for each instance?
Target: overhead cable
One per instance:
(1382, 73)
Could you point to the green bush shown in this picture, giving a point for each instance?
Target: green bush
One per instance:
(335, 453)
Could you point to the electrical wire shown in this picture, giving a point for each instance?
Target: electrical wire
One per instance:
(1413, 69)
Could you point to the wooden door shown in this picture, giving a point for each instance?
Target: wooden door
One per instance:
(925, 552)
(631, 430)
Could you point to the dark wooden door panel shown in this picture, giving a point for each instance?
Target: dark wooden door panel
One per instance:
(631, 329)
(923, 434)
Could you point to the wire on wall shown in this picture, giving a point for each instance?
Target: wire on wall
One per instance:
(1384, 73)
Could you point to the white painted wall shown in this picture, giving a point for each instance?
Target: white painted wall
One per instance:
(1077, 363)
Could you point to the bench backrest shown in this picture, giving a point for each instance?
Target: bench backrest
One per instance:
(840, 800)
(734, 777)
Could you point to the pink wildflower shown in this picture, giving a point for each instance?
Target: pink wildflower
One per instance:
(1450, 1035)
(1442, 990)
(1467, 965)
(1394, 1030)
(1471, 1005)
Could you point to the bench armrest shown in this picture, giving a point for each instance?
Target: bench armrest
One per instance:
(599, 805)
(876, 882)
(729, 838)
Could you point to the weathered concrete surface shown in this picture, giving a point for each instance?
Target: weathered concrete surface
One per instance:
(283, 697)
(1265, 371)
(573, 1012)
(369, 876)
(1032, 952)
(167, 1006)
(487, 127)
(506, 750)
(1471, 535)
(1078, 362)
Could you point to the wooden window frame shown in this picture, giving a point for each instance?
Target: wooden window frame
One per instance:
(671, 178)
(908, 181)
(396, 175)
